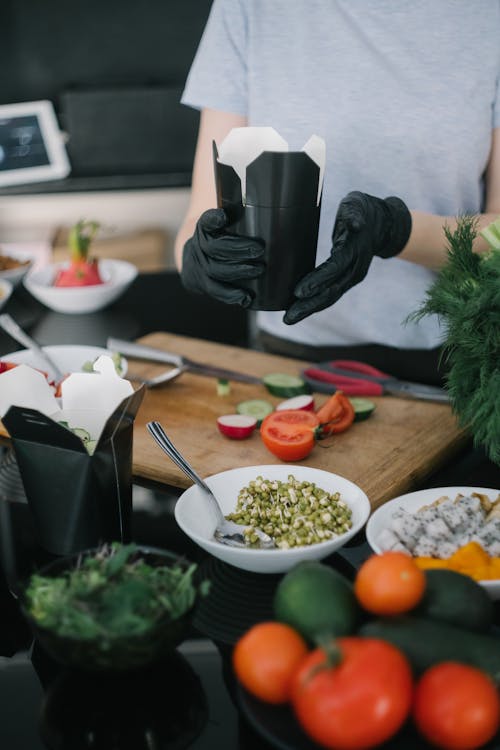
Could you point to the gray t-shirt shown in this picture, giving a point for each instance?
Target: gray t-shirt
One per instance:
(405, 93)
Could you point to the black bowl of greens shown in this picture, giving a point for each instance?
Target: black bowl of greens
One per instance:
(117, 607)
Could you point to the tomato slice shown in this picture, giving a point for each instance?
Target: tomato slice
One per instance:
(331, 409)
(287, 417)
(4, 366)
(290, 434)
(336, 415)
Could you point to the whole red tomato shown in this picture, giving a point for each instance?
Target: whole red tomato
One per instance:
(456, 706)
(357, 704)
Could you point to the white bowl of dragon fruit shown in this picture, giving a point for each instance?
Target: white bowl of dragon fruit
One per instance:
(116, 275)
(450, 527)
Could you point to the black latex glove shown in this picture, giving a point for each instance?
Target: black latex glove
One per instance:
(217, 263)
(364, 226)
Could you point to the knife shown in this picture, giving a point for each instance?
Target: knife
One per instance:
(151, 354)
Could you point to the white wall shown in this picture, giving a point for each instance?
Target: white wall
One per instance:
(37, 217)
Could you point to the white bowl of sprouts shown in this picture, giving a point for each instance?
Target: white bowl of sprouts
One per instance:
(310, 514)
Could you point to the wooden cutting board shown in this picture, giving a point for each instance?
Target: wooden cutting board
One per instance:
(389, 454)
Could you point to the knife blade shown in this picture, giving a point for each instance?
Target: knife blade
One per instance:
(152, 354)
(418, 391)
(397, 387)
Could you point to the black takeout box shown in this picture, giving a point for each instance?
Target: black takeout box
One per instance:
(77, 500)
(280, 204)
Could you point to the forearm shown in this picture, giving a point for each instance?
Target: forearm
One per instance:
(185, 232)
(427, 245)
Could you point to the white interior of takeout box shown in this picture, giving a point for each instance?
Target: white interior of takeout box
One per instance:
(87, 399)
(243, 145)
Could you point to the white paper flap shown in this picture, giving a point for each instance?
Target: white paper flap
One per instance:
(243, 145)
(86, 397)
(23, 386)
(315, 148)
(102, 393)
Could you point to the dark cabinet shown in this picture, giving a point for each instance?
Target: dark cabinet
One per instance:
(114, 71)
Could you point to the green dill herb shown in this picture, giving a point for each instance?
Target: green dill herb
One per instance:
(466, 297)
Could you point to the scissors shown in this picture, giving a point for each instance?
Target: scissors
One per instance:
(360, 379)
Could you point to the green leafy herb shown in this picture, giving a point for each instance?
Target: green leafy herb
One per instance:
(466, 297)
(111, 594)
(81, 236)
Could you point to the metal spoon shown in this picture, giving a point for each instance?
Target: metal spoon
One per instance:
(10, 326)
(226, 532)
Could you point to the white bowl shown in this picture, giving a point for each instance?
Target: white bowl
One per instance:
(15, 275)
(68, 358)
(411, 502)
(118, 275)
(192, 513)
(6, 289)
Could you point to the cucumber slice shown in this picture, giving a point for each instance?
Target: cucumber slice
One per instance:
(81, 433)
(223, 387)
(255, 407)
(363, 408)
(90, 446)
(285, 386)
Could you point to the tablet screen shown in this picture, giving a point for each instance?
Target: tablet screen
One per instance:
(31, 145)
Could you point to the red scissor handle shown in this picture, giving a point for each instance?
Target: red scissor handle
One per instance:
(360, 367)
(354, 386)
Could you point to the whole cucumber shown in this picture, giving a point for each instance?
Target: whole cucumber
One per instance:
(427, 642)
(456, 599)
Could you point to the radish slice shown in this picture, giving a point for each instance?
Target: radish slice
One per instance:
(300, 403)
(236, 426)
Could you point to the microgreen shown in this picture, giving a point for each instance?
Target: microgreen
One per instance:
(112, 593)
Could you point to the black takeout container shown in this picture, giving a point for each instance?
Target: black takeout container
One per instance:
(77, 500)
(280, 207)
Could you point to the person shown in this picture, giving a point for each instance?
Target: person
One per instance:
(406, 96)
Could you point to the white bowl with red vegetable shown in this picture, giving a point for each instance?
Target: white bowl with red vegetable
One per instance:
(309, 512)
(82, 284)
